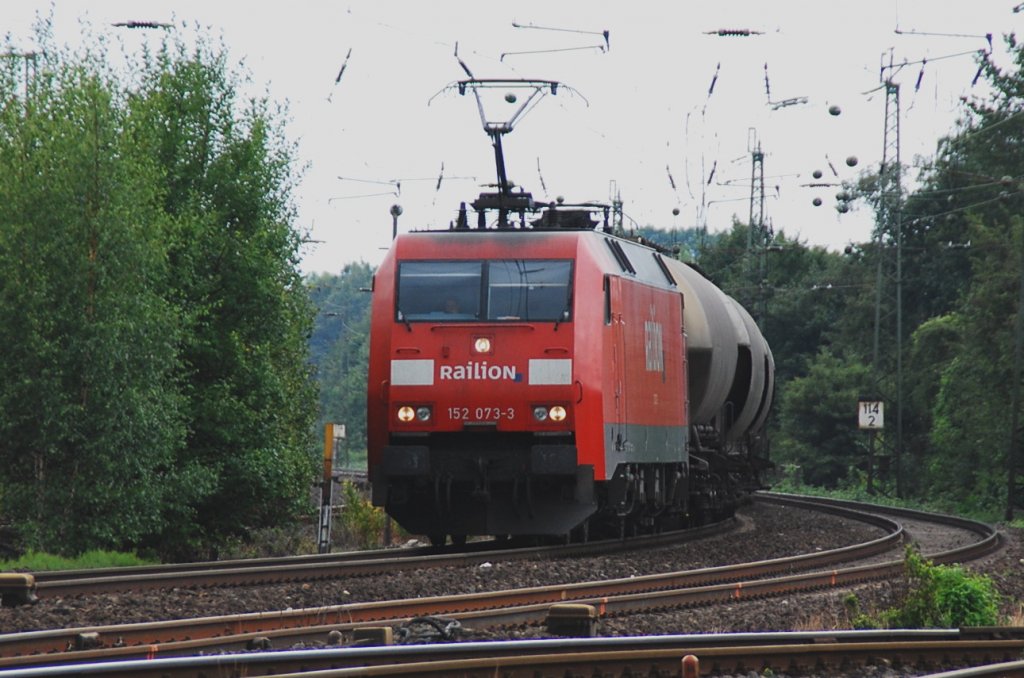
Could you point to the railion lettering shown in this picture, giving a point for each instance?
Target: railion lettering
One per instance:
(479, 371)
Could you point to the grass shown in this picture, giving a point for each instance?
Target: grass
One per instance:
(357, 525)
(43, 562)
(785, 483)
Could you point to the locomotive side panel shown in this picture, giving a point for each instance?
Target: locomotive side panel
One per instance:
(645, 418)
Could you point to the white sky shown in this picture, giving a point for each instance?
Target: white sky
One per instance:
(643, 111)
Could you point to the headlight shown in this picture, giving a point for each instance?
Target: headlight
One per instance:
(482, 345)
(552, 413)
(409, 413)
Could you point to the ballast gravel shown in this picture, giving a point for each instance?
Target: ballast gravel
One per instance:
(762, 531)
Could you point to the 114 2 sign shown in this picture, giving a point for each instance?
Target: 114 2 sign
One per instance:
(871, 414)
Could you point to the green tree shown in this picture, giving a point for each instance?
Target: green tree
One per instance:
(154, 387)
(933, 346)
(970, 217)
(228, 172)
(340, 349)
(819, 421)
(801, 305)
(805, 297)
(90, 409)
(969, 433)
(688, 243)
(726, 261)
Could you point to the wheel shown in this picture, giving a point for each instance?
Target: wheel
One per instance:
(437, 540)
(458, 539)
(581, 533)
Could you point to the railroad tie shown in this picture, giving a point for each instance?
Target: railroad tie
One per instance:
(17, 588)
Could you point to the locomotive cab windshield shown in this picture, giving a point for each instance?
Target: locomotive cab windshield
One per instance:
(529, 290)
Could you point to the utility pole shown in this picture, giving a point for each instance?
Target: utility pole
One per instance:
(618, 217)
(1013, 453)
(889, 246)
(758, 233)
(29, 61)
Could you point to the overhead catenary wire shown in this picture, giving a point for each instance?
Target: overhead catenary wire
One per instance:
(600, 48)
(397, 183)
(896, 68)
(955, 210)
(970, 134)
(606, 34)
(361, 195)
(776, 105)
(987, 36)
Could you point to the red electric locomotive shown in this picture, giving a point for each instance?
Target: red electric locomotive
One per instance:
(543, 376)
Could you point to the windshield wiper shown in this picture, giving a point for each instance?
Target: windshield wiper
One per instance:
(562, 317)
(401, 316)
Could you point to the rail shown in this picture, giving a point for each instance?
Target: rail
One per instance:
(644, 655)
(530, 606)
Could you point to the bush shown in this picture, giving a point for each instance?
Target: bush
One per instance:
(361, 520)
(297, 538)
(941, 596)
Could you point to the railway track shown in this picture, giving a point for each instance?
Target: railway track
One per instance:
(255, 571)
(617, 597)
(43, 585)
(806, 653)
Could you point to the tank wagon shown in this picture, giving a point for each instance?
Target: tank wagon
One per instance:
(537, 374)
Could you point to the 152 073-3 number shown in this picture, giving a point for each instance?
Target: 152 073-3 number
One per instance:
(481, 413)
